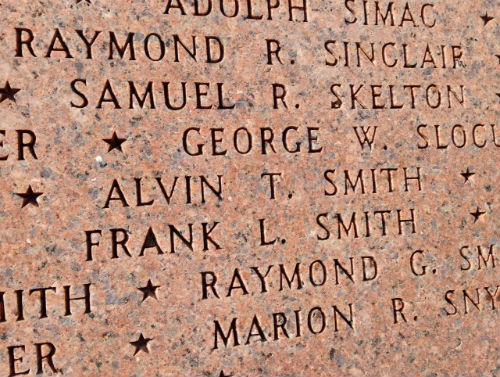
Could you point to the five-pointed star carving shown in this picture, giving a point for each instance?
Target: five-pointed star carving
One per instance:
(498, 94)
(79, 1)
(7, 92)
(467, 174)
(486, 18)
(498, 56)
(115, 142)
(225, 375)
(29, 197)
(141, 344)
(477, 214)
(149, 290)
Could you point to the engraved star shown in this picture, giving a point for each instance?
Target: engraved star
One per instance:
(498, 56)
(486, 18)
(149, 290)
(7, 92)
(79, 1)
(477, 214)
(29, 197)
(115, 142)
(225, 375)
(467, 174)
(141, 344)
(498, 94)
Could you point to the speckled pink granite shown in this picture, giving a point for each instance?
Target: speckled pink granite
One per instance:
(431, 306)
